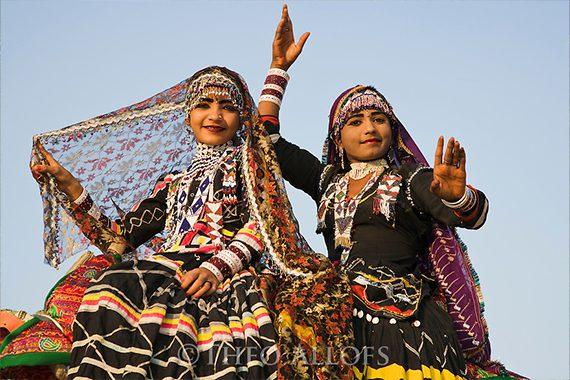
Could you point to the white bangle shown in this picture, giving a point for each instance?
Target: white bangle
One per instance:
(231, 259)
(275, 87)
(82, 197)
(271, 99)
(280, 72)
(214, 269)
(464, 200)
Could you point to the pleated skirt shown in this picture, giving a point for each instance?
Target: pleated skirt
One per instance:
(422, 347)
(136, 322)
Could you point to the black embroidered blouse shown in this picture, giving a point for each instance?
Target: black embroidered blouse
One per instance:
(375, 239)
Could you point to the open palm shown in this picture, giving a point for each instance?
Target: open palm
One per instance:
(285, 50)
(449, 175)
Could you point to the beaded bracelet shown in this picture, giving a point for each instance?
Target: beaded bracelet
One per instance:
(274, 86)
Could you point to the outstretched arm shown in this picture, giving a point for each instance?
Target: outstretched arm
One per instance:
(299, 167)
(284, 53)
(443, 192)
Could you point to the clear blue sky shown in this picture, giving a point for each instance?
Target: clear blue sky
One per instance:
(493, 74)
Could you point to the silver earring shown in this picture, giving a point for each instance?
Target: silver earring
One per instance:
(341, 156)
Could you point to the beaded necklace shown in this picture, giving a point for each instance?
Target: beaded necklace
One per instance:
(359, 170)
(184, 208)
(345, 209)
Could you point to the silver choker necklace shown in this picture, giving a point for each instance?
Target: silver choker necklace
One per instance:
(359, 170)
(207, 157)
(206, 151)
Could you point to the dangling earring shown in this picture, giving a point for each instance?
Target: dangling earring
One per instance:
(341, 155)
(393, 157)
(187, 123)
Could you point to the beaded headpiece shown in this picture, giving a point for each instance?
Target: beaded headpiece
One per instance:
(214, 82)
(359, 98)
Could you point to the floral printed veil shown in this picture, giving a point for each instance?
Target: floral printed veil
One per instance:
(119, 156)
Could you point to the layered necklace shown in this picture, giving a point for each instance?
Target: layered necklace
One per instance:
(183, 206)
(359, 170)
(206, 157)
(345, 208)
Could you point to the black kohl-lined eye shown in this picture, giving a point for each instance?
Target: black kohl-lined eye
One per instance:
(203, 105)
(230, 107)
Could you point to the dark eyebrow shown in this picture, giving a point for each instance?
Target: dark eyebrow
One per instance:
(376, 113)
(355, 115)
(211, 100)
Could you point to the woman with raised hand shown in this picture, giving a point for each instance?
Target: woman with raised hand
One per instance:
(388, 221)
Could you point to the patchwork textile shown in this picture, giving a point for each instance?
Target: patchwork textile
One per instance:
(46, 338)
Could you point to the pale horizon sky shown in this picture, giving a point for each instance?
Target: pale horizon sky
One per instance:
(493, 74)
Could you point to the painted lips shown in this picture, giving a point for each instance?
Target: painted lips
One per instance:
(214, 128)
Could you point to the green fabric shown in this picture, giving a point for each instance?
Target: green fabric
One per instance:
(35, 359)
(32, 358)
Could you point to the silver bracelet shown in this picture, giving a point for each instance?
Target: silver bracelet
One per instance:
(463, 201)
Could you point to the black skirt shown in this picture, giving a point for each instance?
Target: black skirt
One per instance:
(400, 332)
(136, 322)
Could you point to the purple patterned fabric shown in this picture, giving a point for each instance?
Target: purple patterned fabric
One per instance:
(447, 260)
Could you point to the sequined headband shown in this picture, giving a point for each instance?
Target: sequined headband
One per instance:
(214, 83)
(361, 98)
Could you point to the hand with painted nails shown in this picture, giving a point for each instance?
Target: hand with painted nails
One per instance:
(65, 181)
(285, 50)
(449, 175)
(199, 282)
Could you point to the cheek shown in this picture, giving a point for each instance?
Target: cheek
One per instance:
(233, 122)
(385, 131)
(349, 136)
(194, 120)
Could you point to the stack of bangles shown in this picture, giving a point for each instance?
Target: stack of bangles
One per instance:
(465, 203)
(274, 86)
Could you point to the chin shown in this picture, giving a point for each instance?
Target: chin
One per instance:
(372, 155)
(213, 140)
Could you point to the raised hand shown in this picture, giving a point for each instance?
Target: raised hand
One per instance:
(199, 282)
(65, 181)
(449, 175)
(285, 50)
